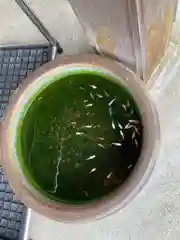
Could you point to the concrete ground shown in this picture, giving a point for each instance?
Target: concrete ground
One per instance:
(155, 212)
(17, 29)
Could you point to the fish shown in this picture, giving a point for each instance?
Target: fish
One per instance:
(79, 133)
(132, 111)
(136, 130)
(100, 145)
(124, 106)
(117, 144)
(91, 157)
(110, 110)
(136, 143)
(111, 102)
(133, 135)
(92, 96)
(109, 175)
(120, 126)
(85, 193)
(92, 170)
(98, 95)
(88, 126)
(107, 94)
(93, 86)
(101, 138)
(128, 126)
(130, 166)
(89, 105)
(122, 134)
(113, 125)
(133, 121)
(97, 126)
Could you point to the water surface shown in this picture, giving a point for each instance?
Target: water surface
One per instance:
(81, 138)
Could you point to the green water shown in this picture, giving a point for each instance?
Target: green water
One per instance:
(81, 138)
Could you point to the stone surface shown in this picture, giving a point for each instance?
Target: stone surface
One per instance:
(62, 24)
(16, 28)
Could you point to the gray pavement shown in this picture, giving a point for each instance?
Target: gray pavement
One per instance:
(16, 28)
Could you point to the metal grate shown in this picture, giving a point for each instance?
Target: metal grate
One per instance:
(12, 211)
(15, 64)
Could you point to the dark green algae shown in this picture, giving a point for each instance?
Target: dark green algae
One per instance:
(80, 138)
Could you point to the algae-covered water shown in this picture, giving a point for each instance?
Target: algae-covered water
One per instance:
(81, 138)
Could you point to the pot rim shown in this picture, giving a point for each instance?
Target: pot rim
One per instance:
(118, 198)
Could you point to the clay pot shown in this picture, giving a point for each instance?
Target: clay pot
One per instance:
(125, 193)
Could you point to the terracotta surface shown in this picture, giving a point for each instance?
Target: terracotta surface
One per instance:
(129, 189)
(130, 31)
(158, 36)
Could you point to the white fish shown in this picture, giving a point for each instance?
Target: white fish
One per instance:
(111, 102)
(136, 143)
(136, 130)
(110, 110)
(101, 138)
(120, 126)
(92, 96)
(100, 145)
(124, 106)
(133, 121)
(79, 133)
(109, 175)
(117, 144)
(107, 94)
(128, 103)
(96, 126)
(98, 95)
(127, 126)
(133, 135)
(85, 101)
(130, 166)
(73, 123)
(85, 193)
(122, 134)
(92, 170)
(91, 157)
(88, 126)
(93, 86)
(89, 105)
(132, 111)
(113, 125)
